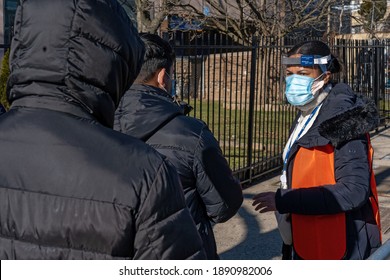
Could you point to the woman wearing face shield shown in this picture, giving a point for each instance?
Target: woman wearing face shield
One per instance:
(326, 206)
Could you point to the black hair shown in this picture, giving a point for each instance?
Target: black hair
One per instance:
(158, 54)
(317, 48)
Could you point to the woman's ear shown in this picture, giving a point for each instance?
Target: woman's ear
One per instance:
(327, 77)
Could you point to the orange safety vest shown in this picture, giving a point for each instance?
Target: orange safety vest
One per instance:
(322, 237)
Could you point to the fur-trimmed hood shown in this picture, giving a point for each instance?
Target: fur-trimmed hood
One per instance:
(351, 124)
(344, 116)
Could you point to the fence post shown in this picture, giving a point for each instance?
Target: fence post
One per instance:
(248, 174)
(375, 75)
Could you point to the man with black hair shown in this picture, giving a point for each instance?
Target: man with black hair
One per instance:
(149, 112)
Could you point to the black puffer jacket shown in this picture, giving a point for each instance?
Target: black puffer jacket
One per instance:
(212, 193)
(343, 121)
(70, 187)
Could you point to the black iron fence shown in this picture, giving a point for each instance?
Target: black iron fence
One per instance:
(237, 89)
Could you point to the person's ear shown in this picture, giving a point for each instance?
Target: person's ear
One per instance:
(327, 77)
(161, 78)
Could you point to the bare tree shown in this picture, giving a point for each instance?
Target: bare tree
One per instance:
(244, 18)
(371, 13)
(148, 15)
(236, 18)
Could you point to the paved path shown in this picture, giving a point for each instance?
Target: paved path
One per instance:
(250, 235)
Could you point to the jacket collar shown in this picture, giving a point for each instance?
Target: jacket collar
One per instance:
(344, 116)
(144, 110)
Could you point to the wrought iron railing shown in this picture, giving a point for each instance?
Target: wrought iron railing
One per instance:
(237, 89)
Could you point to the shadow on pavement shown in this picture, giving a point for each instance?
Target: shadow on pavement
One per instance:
(382, 176)
(253, 240)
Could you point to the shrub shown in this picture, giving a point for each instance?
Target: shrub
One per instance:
(3, 80)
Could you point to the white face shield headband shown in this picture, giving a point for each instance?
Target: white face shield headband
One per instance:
(308, 60)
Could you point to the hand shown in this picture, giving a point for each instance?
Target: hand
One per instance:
(265, 202)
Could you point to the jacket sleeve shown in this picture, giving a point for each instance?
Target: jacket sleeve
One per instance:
(219, 190)
(350, 192)
(164, 227)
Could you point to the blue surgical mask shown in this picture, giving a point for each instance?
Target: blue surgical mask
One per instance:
(299, 89)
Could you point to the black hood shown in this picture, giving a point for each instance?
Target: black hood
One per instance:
(360, 119)
(73, 56)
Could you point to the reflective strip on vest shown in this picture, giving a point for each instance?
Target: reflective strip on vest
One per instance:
(317, 237)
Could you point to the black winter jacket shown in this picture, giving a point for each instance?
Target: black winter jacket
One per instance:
(343, 121)
(212, 193)
(71, 187)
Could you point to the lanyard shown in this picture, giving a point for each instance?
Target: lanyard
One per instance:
(299, 135)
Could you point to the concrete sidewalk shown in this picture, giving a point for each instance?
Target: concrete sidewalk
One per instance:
(250, 235)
